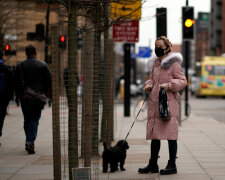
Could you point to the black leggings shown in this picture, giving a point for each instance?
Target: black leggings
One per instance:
(155, 147)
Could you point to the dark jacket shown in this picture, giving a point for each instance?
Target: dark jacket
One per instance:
(36, 75)
(6, 90)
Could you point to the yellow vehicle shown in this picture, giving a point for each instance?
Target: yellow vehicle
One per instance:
(212, 77)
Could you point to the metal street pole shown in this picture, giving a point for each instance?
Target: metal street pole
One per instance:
(187, 58)
(186, 44)
(127, 79)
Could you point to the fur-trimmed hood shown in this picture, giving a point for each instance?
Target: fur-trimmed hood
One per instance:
(167, 61)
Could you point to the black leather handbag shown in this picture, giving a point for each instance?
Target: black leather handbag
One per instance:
(164, 111)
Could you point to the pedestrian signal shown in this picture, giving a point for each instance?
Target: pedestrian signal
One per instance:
(188, 22)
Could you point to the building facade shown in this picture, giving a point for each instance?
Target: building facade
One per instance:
(202, 36)
(217, 25)
(27, 14)
(223, 27)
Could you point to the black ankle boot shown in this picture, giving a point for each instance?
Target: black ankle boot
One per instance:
(152, 167)
(171, 168)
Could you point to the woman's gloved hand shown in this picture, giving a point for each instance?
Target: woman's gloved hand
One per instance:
(148, 87)
(164, 85)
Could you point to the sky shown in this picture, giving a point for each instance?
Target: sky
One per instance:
(147, 26)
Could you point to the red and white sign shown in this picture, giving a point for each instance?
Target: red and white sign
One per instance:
(126, 32)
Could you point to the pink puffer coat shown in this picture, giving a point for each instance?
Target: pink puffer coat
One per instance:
(168, 71)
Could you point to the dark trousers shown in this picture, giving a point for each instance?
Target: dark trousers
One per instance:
(3, 108)
(31, 116)
(155, 147)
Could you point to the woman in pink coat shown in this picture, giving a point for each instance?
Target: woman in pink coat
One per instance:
(166, 73)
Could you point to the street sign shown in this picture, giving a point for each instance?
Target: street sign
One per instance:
(144, 52)
(126, 32)
(81, 173)
(203, 21)
(128, 9)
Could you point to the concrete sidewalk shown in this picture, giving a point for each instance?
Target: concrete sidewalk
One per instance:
(201, 149)
(15, 163)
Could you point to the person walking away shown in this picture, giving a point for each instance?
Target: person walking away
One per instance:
(166, 73)
(6, 92)
(36, 75)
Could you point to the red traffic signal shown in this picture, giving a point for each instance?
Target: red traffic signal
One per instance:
(8, 51)
(62, 42)
(7, 47)
(62, 38)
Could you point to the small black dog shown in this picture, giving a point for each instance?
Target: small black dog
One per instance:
(114, 155)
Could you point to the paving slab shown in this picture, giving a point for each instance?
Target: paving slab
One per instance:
(218, 177)
(4, 176)
(130, 173)
(184, 177)
(37, 169)
(201, 149)
(31, 177)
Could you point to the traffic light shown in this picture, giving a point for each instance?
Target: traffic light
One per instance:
(188, 22)
(7, 49)
(79, 40)
(161, 22)
(62, 42)
(40, 32)
(38, 35)
(31, 36)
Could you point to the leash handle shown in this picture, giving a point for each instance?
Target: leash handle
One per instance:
(137, 116)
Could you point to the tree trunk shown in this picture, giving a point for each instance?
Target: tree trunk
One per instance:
(96, 91)
(111, 87)
(104, 91)
(106, 119)
(87, 90)
(72, 90)
(55, 106)
(84, 95)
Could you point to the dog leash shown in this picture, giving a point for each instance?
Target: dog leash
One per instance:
(137, 116)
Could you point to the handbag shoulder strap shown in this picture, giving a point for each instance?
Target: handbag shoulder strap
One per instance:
(22, 76)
